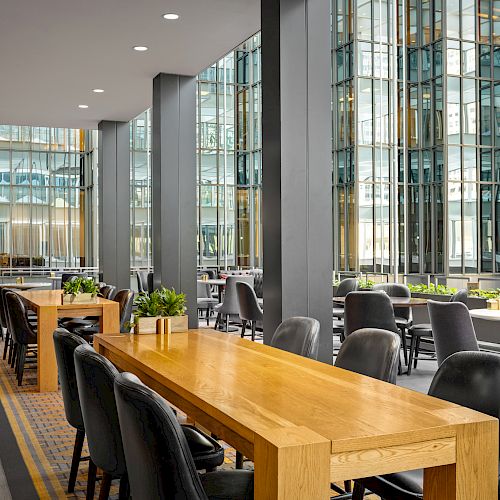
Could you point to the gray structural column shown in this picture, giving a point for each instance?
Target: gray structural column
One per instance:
(174, 186)
(114, 202)
(297, 165)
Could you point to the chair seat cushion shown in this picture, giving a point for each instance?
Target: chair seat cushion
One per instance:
(207, 452)
(79, 323)
(228, 485)
(403, 322)
(205, 302)
(422, 329)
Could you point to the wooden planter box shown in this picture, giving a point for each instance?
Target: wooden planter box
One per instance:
(81, 298)
(148, 324)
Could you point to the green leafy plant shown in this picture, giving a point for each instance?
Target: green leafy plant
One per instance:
(485, 294)
(81, 285)
(432, 289)
(365, 284)
(161, 302)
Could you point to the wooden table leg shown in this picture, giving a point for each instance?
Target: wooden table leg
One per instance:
(292, 463)
(475, 474)
(46, 363)
(110, 319)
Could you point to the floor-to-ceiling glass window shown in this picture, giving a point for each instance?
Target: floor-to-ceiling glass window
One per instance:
(45, 193)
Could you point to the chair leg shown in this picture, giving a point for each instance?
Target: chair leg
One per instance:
(12, 351)
(105, 486)
(243, 327)
(347, 486)
(21, 354)
(239, 460)
(417, 352)
(253, 330)
(124, 492)
(6, 345)
(413, 347)
(75, 462)
(91, 480)
(208, 316)
(403, 343)
(217, 321)
(358, 492)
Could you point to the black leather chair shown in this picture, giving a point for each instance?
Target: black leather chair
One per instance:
(345, 286)
(250, 310)
(9, 343)
(23, 335)
(107, 292)
(403, 315)
(95, 377)
(371, 352)
(126, 300)
(424, 331)
(466, 378)
(157, 454)
(452, 328)
(299, 335)
(65, 344)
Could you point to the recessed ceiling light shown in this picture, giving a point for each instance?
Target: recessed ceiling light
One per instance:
(140, 48)
(171, 16)
(82, 106)
(98, 91)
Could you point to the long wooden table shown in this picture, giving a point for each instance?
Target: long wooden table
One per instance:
(48, 306)
(305, 423)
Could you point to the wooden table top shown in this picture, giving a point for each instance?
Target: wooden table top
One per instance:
(396, 301)
(254, 389)
(216, 282)
(45, 298)
(24, 286)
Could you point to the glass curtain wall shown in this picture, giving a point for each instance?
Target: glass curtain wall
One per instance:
(443, 88)
(45, 180)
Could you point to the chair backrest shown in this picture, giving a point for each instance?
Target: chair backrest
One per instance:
(452, 328)
(142, 281)
(248, 303)
(20, 328)
(230, 304)
(299, 335)
(4, 321)
(65, 344)
(470, 379)
(71, 276)
(108, 291)
(368, 310)
(347, 285)
(95, 376)
(460, 296)
(371, 352)
(258, 282)
(151, 282)
(126, 300)
(159, 462)
(203, 290)
(396, 290)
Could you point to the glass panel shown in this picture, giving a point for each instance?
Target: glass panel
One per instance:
(468, 20)
(453, 57)
(365, 164)
(469, 115)
(365, 109)
(413, 230)
(485, 135)
(469, 59)
(453, 116)
(455, 227)
(470, 227)
(365, 231)
(486, 230)
(364, 19)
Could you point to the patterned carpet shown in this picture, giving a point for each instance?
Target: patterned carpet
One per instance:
(43, 441)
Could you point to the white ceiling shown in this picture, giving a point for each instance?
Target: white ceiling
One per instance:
(54, 52)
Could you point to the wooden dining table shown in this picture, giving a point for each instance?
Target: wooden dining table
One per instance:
(49, 307)
(395, 301)
(305, 423)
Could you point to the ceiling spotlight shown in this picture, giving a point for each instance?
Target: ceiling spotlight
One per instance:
(140, 48)
(171, 16)
(98, 91)
(82, 106)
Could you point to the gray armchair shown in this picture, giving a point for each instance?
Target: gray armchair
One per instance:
(250, 310)
(229, 310)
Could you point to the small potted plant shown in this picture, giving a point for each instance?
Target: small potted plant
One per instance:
(80, 290)
(161, 303)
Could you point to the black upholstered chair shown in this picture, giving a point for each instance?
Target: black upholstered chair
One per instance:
(95, 377)
(368, 310)
(258, 282)
(466, 378)
(346, 286)
(250, 310)
(403, 315)
(229, 310)
(126, 300)
(452, 328)
(157, 453)
(71, 276)
(371, 352)
(299, 335)
(424, 331)
(107, 292)
(8, 342)
(204, 300)
(23, 334)
(65, 344)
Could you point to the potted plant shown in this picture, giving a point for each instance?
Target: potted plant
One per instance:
(161, 303)
(80, 291)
